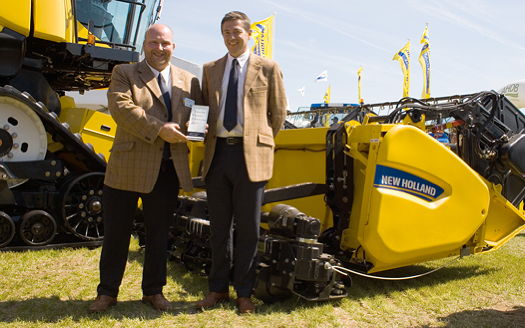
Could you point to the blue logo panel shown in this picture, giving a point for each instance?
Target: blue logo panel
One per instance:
(390, 178)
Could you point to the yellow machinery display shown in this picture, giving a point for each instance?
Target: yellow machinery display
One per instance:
(52, 153)
(427, 179)
(430, 179)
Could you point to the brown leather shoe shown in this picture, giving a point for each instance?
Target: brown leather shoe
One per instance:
(102, 303)
(245, 305)
(212, 299)
(157, 301)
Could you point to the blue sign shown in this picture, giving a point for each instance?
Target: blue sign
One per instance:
(390, 178)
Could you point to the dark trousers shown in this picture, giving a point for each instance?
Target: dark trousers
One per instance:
(119, 210)
(233, 198)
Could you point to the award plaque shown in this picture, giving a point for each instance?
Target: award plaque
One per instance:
(198, 121)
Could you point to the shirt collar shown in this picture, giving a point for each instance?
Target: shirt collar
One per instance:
(165, 72)
(242, 59)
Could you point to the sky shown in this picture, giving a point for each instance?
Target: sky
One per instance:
(475, 45)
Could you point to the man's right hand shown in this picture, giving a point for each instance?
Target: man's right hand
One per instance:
(170, 132)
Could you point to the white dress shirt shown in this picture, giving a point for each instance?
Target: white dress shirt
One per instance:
(237, 131)
(166, 77)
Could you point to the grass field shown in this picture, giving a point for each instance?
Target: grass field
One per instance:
(53, 288)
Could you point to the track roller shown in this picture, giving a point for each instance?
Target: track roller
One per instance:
(37, 228)
(7, 229)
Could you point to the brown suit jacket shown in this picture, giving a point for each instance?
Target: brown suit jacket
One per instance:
(264, 112)
(137, 106)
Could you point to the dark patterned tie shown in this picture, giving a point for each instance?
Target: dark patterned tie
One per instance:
(230, 108)
(166, 154)
(166, 96)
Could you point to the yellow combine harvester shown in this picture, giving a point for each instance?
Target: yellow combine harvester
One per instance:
(51, 176)
(425, 180)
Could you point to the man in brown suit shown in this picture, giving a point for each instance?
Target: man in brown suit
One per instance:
(247, 102)
(151, 102)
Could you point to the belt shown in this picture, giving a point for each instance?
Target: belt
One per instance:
(230, 141)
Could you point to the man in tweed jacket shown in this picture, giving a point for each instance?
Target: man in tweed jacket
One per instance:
(247, 102)
(151, 102)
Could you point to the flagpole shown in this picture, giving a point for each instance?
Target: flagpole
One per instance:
(359, 96)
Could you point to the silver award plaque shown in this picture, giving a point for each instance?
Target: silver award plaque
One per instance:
(198, 121)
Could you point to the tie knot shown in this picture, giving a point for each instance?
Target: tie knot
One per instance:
(163, 87)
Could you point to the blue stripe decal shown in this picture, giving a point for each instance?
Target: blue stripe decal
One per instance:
(394, 179)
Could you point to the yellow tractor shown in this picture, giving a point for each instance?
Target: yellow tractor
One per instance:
(50, 175)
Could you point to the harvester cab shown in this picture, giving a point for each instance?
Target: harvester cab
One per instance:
(50, 176)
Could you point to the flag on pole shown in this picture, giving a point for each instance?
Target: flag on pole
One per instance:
(326, 98)
(323, 77)
(301, 90)
(262, 33)
(403, 56)
(424, 60)
(359, 97)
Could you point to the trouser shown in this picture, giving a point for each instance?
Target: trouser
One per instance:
(233, 199)
(119, 210)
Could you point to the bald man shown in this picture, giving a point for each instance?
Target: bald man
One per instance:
(151, 102)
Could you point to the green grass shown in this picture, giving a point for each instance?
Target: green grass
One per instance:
(53, 288)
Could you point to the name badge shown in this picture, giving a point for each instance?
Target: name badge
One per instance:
(189, 102)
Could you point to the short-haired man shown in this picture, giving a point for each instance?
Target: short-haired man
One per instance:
(151, 102)
(247, 103)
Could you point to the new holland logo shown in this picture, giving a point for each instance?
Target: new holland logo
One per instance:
(390, 178)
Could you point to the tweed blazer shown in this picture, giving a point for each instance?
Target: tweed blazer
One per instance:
(264, 112)
(137, 106)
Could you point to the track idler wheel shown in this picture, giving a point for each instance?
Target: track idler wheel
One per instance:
(7, 229)
(37, 228)
(81, 204)
(22, 134)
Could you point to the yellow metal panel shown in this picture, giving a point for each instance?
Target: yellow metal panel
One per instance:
(70, 21)
(195, 157)
(396, 227)
(16, 15)
(504, 220)
(75, 117)
(95, 127)
(300, 156)
(53, 20)
(99, 130)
